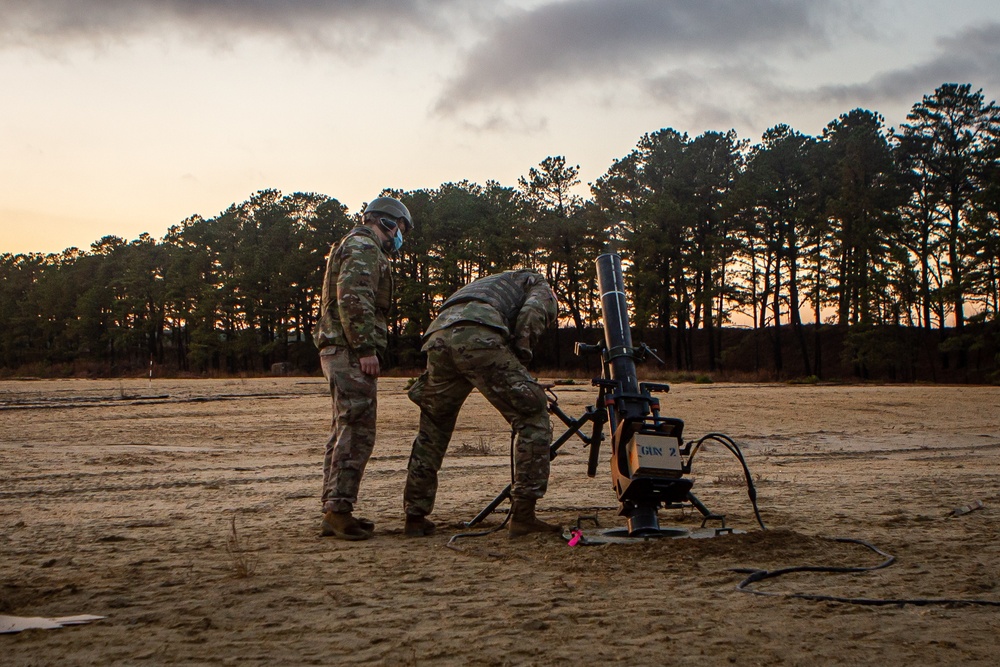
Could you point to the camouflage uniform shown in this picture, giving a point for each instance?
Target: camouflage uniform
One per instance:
(357, 291)
(472, 344)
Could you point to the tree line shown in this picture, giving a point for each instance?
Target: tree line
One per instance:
(862, 226)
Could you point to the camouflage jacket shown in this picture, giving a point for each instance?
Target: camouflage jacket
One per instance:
(537, 313)
(357, 293)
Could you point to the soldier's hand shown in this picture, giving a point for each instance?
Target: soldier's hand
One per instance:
(369, 365)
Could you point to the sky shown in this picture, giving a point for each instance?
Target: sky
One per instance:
(119, 117)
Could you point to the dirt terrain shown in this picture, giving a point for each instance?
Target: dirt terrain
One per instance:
(186, 513)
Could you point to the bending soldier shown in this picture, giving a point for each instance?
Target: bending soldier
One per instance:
(351, 335)
(479, 340)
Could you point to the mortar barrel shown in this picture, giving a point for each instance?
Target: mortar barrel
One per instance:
(617, 333)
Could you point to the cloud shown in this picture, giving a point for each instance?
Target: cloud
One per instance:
(720, 97)
(562, 42)
(757, 95)
(970, 56)
(505, 121)
(330, 24)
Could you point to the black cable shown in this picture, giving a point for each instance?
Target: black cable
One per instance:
(513, 435)
(734, 449)
(761, 575)
(482, 533)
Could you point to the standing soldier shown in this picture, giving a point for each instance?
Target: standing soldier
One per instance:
(351, 335)
(480, 339)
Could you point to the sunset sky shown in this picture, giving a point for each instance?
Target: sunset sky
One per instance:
(126, 116)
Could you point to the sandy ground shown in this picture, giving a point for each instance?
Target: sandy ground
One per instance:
(120, 498)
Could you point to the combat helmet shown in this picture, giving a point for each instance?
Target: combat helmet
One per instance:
(392, 207)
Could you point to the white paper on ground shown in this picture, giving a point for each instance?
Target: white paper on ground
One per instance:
(10, 624)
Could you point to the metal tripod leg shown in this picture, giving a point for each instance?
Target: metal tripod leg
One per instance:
(504, 495)
(706, 513)
(574, 429)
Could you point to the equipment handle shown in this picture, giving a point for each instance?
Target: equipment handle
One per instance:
(596, 434)
(595, 455)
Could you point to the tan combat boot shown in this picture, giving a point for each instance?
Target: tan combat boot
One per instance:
(345, 526)
(524, 521)
(418, 526)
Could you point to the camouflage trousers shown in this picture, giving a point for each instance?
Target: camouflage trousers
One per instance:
(459, 359)
(352, 435)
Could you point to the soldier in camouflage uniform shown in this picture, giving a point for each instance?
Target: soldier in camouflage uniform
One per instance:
(484, 333)
(351, 335)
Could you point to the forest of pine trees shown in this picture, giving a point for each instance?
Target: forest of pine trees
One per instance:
(883, 241)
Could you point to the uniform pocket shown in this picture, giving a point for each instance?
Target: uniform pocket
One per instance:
(416, 392)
